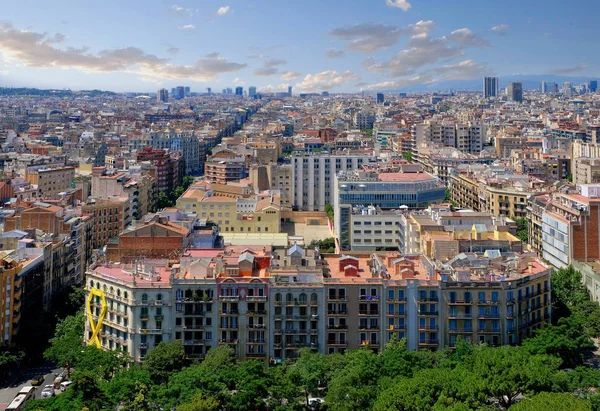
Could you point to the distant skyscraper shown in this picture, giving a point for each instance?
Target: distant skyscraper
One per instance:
(515, 92)
(224, 91)
(162, 96)
(380, 98)
(548, 87)
(179, 93)
(593, 86)
(229, 90)
(490, 87)
(567, 89)
(239, 91)
(325, 93)
(208, 91)
(187, 91)
(252, 92)
(289, 91)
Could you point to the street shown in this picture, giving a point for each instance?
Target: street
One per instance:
(7, 394)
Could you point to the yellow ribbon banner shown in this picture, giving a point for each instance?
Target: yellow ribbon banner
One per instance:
(96, 326)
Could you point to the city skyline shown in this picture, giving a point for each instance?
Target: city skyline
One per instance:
(347, 47)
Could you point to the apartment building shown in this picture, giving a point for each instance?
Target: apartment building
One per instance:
(466, 137)
(139, 189)
(536, 205)
(267, 304)
(51, 181)
(313, 176)
(110, 217)
(362, 201)
(166, 170)
(570, 228)
(440, 162)
(255, 214)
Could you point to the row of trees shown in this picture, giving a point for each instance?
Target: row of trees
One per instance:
(164, 200)
(547, 372)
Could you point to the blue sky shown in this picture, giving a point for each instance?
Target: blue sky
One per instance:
(313, 45)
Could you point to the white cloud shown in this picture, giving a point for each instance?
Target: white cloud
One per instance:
(326, 80)
(182, 10)
(466, 37)
(370, 37)
(273, 89)
(334, 54)
(223, 10)
(40, 50)
(172, 49)
(238, 82)
(188, 27)
(500, 29)
(421, 79)
(290, 75)
(421, 50)
(465, 70)
(401, 4)
(274, 62)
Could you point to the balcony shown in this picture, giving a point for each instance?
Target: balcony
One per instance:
(460, 302)
(229, 312)
(428, 313)
(278, 303)
(193, 327)
(228, 341)
(397, 314)
(396, 300)
(231, 327)
(460, 331)
(256, 298)
(336, 298)
(143, 346)
(487, 302)
(368, 312)
(193, 342)
(255, 341)
(256, 312)
(488, 315)
(428, 299)
(337, 312)
(460, 315)
(257, 326)
(277, 331)
(428, 327)
(338, 327)
(488, 331)
(429, 342)
(337, 342)
(295, 331)
(368, 328)
(227, 298)
(374, 298)
(150, 331)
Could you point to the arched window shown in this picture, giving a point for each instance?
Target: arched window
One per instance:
(289, 298)
(92, 284)
(118, 292)
(144, 298)
(97, 285)
(104, 288)
(159, 297)
(278, 297)
(302, 298)
(112, 290)
(179, 295)
(126, 295)
(313, 297)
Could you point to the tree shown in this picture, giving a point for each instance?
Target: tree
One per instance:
(163, 201)
(124, 385)
(103, 363)
(568, 291)
(552, 401)
(522, 229)
(408, 156)
(140, 399)
(199, 403)
(308, 371)
(505, 372)
(566, 340)
(67, 342)
(85, 387)
(354, 387)
(164, 360)
(330, 212)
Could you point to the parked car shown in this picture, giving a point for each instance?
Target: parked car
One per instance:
(65, 385)
(48, 391)
(37, 380)
(57, 382)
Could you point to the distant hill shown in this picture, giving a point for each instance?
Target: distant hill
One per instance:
(25, 91)
(530, 82)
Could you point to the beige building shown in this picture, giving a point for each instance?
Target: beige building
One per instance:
(51, 181)
(256, 214)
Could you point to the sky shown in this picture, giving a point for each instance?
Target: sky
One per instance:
(312, 45)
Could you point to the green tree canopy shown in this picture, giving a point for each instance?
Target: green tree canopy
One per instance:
(164, 360)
